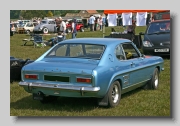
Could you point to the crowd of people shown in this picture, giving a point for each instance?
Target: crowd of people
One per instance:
(95, 23)
(61, 30)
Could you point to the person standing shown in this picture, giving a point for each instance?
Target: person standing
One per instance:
(92, 20)
(100, 23)
(74, 30)
(62, 27)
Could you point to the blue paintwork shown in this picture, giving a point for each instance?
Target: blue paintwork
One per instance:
(103, 72)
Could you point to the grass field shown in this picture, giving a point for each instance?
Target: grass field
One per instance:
(135, 103)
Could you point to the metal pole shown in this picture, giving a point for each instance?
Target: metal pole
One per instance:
(103, 30)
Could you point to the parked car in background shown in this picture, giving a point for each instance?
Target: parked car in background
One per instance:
(46, 26)
(29, 27)
(103, 68)
(11, 32)
(157, 38)
(20, 28)
(79, 27)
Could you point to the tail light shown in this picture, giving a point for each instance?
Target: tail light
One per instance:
(31, 76)
(83, 80)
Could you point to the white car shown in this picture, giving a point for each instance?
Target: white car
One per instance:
(29, 27)
(26, 27)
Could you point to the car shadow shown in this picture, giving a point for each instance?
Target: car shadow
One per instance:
(63, 103)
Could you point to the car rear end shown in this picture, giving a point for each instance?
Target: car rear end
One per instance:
(60, 78)
(65, 70)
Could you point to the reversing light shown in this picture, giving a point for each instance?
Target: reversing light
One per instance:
(31, 76)
(83, 80)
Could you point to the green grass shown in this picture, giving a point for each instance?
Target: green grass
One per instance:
(135, 103)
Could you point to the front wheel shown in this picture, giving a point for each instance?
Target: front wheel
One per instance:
(45, 30)
(154, 81)
(114, 94)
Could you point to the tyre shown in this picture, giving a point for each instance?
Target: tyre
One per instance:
(68, 30)
(45, 30)
(154, 81)
(28, 31)
(82, 29)
(114, 94)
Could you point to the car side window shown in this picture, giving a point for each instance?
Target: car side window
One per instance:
(130, 51)
(119, 53)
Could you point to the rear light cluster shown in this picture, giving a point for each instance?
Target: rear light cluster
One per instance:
(31, 76)
(83, 80)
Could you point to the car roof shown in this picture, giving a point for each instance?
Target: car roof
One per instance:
(104, 41)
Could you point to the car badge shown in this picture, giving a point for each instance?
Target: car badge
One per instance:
(161, 44)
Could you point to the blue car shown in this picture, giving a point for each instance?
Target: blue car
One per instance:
(103, 68)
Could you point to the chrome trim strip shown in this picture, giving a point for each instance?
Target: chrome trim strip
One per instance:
(136, 84)
(58, 86)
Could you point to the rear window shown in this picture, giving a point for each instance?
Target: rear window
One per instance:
(76, 50)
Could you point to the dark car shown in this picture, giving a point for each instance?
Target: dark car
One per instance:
(157, 38)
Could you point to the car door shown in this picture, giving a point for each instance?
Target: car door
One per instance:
(51, 25)
(48, 25)
(136, 63)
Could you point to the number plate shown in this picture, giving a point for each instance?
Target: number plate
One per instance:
(161, 50)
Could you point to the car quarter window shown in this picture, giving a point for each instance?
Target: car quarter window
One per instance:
(119, 53)
(130, 51)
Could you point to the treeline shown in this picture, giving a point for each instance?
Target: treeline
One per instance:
(29, 14)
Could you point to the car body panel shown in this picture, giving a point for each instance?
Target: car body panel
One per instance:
(103, 71)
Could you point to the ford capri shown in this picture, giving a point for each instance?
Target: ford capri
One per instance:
(102, 68)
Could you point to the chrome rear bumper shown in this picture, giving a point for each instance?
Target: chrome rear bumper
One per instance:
(58, 87)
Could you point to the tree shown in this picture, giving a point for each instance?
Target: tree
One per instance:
(49, 14)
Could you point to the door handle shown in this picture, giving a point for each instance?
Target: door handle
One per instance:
(132, 64)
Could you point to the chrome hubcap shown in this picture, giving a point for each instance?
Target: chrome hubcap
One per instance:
(115, 94)
(156, 80)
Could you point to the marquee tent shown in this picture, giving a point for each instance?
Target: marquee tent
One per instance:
(133, 11)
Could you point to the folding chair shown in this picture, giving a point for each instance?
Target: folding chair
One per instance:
(31, 39)
(38, 41)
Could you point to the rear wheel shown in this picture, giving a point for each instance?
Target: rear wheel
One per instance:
(82, 29)
(68, 30)
(28, 31)
(114, 94)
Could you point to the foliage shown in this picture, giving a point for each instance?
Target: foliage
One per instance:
(49, 14)
(28, 14)
(150, 103)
